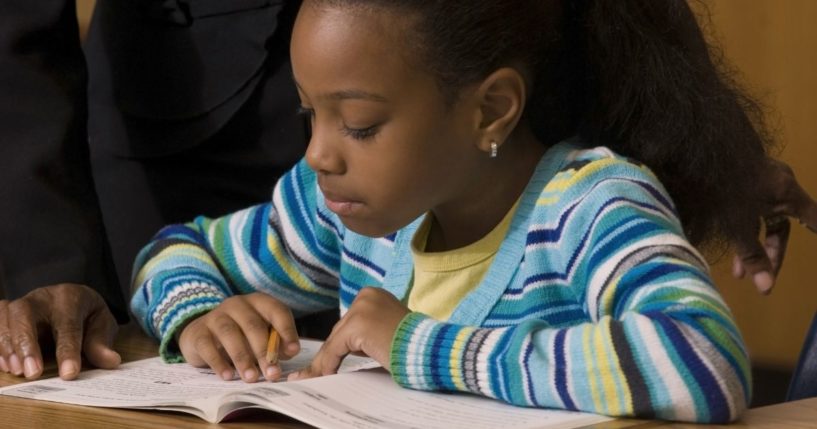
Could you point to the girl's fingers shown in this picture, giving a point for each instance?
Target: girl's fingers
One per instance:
(256, 331)
(322, 358)
(332, 354)
(230, 335)
(280, 317)
(237, 332)
(323, 363)
(208, 353)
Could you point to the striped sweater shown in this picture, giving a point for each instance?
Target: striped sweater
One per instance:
(595, 300)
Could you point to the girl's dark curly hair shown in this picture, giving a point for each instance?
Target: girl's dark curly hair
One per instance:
(635, 75)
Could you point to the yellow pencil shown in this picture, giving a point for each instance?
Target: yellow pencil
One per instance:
(272, 346)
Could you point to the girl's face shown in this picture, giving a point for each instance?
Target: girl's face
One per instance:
(385, 145)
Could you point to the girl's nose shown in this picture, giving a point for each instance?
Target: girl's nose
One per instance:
(324, 155)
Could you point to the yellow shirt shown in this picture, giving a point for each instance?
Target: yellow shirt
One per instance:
(443, 279)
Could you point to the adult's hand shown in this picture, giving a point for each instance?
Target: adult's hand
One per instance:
(79, 322)
(784, 198)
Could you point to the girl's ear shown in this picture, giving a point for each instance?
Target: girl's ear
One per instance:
(502, 97)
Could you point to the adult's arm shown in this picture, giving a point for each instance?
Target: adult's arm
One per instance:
(50, 225)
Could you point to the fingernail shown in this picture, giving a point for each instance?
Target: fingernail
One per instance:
(31, 367)
(250, 375)
(15, 366)
(737, 270)
(763, 280)
(272, 373)
(3, 365)
(293, 348)
(227, 375)
(68, 368)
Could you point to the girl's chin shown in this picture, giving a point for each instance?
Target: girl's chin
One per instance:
(368, 229)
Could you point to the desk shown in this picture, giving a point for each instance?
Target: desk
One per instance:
(132, 344)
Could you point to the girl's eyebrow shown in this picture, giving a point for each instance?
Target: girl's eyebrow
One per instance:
(349, 94)
(353, 94)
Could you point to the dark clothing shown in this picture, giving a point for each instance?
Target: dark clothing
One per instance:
(50, 225)
(191, 110)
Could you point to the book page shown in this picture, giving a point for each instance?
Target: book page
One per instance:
(151, 383)
(372, 400)
(365, 398)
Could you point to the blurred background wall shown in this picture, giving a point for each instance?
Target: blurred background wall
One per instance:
(84, 10)
(774, 45)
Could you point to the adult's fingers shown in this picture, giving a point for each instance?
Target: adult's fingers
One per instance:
(24, 316)
(6, 348)
(804, 208)
(100, 331)
(776, 241)
(70, 305)
(752, 260)
(763, 261)
(787, 197)
(783, 197)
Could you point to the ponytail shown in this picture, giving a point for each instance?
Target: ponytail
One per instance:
(655, 92)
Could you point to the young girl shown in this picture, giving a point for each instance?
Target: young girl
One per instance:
(465, 202)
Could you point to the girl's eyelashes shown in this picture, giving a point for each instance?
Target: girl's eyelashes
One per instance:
(355, 133)
(361, 133)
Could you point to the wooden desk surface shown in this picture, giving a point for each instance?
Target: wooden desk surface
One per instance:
(132, 344)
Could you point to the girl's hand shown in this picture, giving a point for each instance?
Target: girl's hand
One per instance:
(237, 331)
(367, 328)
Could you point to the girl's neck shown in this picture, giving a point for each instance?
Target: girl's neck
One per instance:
(492, 193)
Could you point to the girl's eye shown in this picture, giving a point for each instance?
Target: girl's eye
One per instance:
(355, 133)
(361, 133)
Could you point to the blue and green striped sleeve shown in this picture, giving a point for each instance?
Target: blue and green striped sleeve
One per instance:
(286, 248)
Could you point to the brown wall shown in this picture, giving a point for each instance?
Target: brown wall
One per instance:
(84, 10)
(774, 44)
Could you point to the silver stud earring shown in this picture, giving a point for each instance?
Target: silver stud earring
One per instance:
(494, 149)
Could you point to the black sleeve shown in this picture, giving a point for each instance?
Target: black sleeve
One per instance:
(50, 225)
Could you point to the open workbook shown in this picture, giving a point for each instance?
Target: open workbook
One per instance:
(361, 396)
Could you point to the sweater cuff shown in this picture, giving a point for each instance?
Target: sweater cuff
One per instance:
(185, 304)
(427, 354)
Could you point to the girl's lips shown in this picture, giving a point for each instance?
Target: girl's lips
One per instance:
(341, 207)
